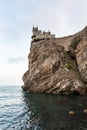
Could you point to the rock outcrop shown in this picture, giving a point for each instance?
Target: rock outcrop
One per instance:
(57, 65)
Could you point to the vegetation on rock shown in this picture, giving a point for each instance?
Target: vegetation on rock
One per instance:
(75, 42)
(68, 66)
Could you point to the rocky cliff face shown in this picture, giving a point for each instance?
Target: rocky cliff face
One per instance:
(57, 65)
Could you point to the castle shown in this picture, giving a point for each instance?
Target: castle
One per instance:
(39, 35)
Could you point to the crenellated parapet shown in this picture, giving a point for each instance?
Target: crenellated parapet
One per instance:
(39, 35)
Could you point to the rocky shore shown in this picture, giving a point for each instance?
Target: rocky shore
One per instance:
(57, 65)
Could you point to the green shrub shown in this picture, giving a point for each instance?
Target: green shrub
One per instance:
(68, 66)
(75, 42)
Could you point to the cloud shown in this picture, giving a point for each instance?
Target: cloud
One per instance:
(11, 74)
(16, 59)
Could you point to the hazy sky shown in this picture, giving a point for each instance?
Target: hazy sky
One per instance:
(61, 17)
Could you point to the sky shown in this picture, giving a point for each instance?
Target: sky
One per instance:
(17, 17)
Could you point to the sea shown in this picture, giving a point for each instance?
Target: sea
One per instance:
(21, 110)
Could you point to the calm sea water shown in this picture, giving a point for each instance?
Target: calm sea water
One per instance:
(25, 111)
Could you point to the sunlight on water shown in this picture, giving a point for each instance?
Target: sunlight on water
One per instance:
(24, 111)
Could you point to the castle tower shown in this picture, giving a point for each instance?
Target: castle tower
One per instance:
(35, 29)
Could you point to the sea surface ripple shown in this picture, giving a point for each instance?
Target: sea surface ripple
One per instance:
(30, 111)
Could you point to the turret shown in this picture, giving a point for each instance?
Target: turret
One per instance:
(35, 29)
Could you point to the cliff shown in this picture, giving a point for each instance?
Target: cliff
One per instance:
(57, 65)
